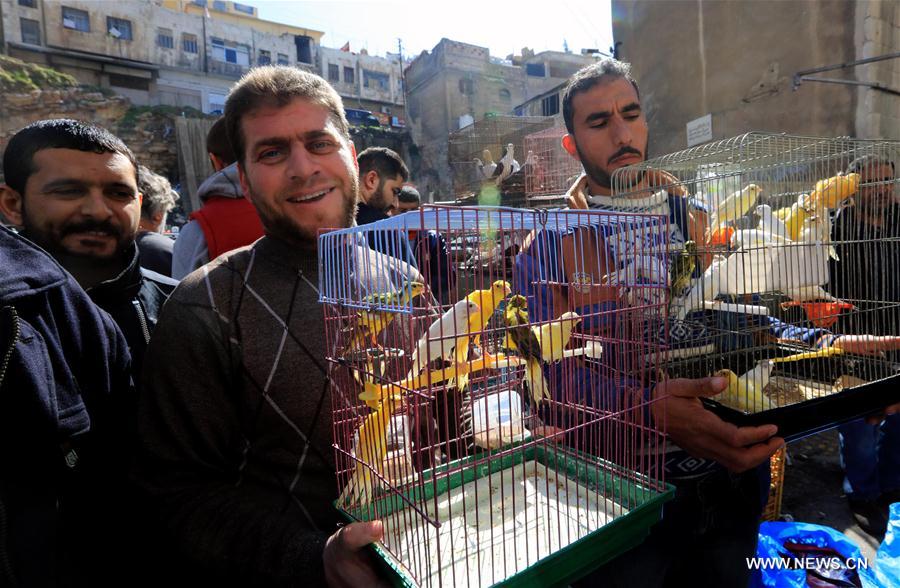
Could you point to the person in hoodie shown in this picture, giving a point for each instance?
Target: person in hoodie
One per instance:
(65, 385)
(72, 188)
(226, 220)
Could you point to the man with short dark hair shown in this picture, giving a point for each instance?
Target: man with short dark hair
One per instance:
(227, 220)
(408, 199)
(73, 189)
(236, 430)
(381, 176)
(158, 199)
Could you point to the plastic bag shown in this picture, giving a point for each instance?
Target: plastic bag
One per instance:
(841, 562)
(887, 567)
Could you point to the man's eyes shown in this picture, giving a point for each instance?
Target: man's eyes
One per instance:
(321, 146)
(271, 154)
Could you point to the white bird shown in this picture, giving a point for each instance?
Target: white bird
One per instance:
(755, 238)
(507, 164)
(809, 294)
(443, 335)
(706, 288)
(817, 230)
(735, 206)
(487, 167)
(770, 223)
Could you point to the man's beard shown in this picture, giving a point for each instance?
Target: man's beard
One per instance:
(287, 229)
(51, 241)
(379, 201)
(601, 177)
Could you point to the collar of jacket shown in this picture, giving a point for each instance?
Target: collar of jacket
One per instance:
(27, 269)
(127, 284)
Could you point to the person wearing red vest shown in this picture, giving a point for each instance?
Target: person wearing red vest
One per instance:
(226, 220)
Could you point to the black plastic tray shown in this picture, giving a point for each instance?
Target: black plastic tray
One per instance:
(808, 417)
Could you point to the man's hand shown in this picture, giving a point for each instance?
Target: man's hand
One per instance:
(866, 344)
(346, 561)
(702, 434)
(875, 419)
(575, 197)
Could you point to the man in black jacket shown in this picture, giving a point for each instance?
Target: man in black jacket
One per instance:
(64, 384)
(73, 189)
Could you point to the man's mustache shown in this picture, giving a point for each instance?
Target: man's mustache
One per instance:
(623, 151)
(91, 225)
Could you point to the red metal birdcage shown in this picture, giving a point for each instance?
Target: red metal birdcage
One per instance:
(492, 407)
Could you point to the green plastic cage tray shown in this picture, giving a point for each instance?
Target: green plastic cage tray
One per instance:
(542, 516)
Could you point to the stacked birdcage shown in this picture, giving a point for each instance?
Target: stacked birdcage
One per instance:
(489, 153)
(753, 293)
(499, 435)
(549, 169)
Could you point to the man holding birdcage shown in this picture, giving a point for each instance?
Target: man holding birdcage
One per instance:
(720, 470)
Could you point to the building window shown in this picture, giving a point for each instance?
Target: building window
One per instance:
(118, 28)
(334, 72)
(283, 59)
(31, 31)
(505, 95)
(28, 3)
(77, 20)
(220, 6)
(536, 70)
(165, 39)
(230, 52)
(265, 57)
(200, 3)
(216, 103)
(376, 80)
(349, 75)
(466, 86)
(304, 48)
(243, 8)
(550, 105)
(189, 43)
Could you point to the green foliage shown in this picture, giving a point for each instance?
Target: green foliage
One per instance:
(129, 120)
(19, 76)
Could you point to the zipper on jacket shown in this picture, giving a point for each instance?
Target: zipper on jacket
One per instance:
(142, 318)
(7, 354)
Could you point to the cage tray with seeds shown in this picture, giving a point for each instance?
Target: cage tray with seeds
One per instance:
(585, 511)
(807, 396)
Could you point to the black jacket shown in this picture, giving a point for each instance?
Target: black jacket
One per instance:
(66, 401)
(134, 299)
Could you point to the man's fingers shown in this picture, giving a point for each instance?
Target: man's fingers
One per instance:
(355, 536)
(741, 460)
(692, 388)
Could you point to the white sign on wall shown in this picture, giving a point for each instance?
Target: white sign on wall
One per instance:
(699, 130)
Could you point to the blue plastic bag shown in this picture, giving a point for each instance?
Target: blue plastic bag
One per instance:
(771, 548)
(887, 568)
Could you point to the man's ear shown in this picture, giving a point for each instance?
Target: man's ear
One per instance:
(353, 154)
(568, 143)
(370, 180)
(245, 184)
(11, 205)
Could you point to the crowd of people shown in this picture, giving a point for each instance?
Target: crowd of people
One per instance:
(165, 407)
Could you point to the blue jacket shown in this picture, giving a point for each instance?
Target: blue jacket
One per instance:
(66, 410)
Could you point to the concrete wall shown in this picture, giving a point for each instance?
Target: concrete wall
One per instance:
(357, 92)
(735, 61)
(877, 32)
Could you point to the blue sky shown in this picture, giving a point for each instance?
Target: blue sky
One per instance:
(502, 27)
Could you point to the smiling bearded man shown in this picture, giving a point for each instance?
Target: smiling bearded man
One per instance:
(237, 444)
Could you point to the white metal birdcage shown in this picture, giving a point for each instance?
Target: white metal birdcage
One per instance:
(773, 281)
(493, 408)
(549, 171)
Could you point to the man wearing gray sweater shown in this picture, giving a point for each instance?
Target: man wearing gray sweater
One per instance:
(235, 423)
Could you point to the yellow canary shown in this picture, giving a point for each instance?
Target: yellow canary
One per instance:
(746, 392)
(369, 323)
(487, 301)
